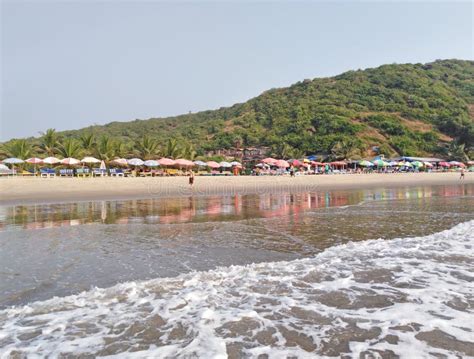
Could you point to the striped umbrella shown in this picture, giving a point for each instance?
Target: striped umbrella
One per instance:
(70, 161)
(135, 162)
(212, 164)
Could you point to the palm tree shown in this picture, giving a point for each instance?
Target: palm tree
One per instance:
(105, 148)
(17, 148)
(147, 147)
(172, 148)
(120, 149)
(88, 143)
(457, 152)
(282, 150)
(189, 152)
(69, 148)
(49, 142)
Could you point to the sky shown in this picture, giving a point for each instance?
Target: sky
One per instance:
(71, 64)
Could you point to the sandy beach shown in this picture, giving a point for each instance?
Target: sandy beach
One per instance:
(18, 190)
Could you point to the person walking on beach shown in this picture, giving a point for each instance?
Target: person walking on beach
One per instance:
(462, 174)
(191, 178)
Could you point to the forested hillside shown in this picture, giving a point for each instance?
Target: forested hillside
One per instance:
(410, 109)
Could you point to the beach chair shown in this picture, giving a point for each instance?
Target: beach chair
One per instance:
(66, 172)
(98, 172)
(116, 172)
(26, 173)
(82, 172)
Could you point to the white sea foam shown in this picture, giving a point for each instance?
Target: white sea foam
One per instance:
(411, 297)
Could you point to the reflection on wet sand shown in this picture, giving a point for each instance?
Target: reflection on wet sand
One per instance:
(199, 209)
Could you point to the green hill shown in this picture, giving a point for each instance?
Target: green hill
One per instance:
(408, 109)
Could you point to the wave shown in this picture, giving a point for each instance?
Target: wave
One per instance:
(410, 297)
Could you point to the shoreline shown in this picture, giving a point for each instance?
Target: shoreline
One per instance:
(24, 190)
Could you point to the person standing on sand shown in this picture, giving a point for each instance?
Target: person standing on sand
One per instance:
(191, 178)
(462, 174)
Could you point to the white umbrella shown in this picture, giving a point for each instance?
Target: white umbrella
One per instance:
(120, 161)
(151, 163)
(51, 160)
(235, 163)
(90, 160)
(4, 169)
(135, 162)
(102, 165)
(200, 163)
(225, 164)
(70, 161)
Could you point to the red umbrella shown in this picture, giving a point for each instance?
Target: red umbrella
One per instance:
(213, 164)
(282, 164)
(444, 164)
(296, 163)
(269, 160)
(166, 162)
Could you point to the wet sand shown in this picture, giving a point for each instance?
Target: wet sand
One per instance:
(16, 190)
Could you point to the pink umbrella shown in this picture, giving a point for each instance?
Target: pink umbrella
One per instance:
(282, 164)
(70, 161)
(183, 162)
(34, 160)
(166, 162)
(213, 164)
(444, 164)
(296, 163)
(269, 160)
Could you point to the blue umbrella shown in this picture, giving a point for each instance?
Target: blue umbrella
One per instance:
(135, 162)
(13, 161)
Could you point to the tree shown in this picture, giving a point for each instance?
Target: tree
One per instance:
(105, 148)
(121, 149)
(189, 152)
(172, 149)
(146, 147)
(17, 148)
(88, 143)
(69, 148)
(456, 152)
(49, 142)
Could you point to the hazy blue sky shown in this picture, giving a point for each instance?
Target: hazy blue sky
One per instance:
(71, 64)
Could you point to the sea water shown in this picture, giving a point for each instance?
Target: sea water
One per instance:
(371, 279)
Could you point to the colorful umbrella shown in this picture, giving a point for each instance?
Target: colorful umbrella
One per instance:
(282, 164)
(365, 163)
(120, 161)
(151, 163)
(212, 164)
(200, 163)
(184, 162)
(417, 164)
(166, 161)
(269, 160)
(51, 160)
(457, 164)
(225, 164)
(380, 163)
(70, 161)
(13, 161)
(135, 162)
(90, 160)
(444, 164)
(295, 163)
(34, 160)
(428, 164)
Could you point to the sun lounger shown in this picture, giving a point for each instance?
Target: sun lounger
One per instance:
(47, 172)
(66, 172)
(82, 172)
(116, 172)
(98, 172)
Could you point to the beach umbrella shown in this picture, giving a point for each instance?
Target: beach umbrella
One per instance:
(102, 165)
(225, 164)
(457, 164)
(151, 163)
(236, 164)
(444, 164)
(4, 168)
(316, 163)
(365, 163)
(380, 163)
(200, 163)
(34, 160)
(269, 160)
(51, 160)
(295, 163)
(166, 162)
(90, 160)
(135, 162)
(212, 164)
(184, 162)
(470, 163)
(417, 164)
(120, 161)
(338, 163)
(427, 164)
(13, 161)
(306, 160)
(282, 164)
(407, 164)
(70, 161)
(393, 163)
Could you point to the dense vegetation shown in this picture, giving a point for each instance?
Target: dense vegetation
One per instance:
(410, 109)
